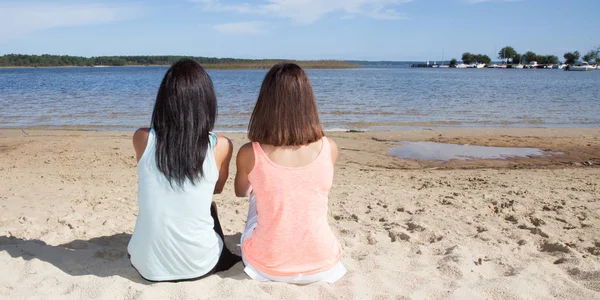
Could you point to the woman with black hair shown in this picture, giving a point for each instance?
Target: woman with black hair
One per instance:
(181, 164)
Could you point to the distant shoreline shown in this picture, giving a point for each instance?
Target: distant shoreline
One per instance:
(67, 61)
(206, 66)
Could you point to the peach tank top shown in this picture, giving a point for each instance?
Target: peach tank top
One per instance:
(292, 236)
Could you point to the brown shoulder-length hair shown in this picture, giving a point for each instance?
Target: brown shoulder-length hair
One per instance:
(285, 113)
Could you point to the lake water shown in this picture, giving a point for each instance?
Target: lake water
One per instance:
(446, 152)
(365, 99)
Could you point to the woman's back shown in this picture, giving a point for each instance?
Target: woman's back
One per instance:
(287, 170)
(181, 164)
(291, 186)
(174, 236)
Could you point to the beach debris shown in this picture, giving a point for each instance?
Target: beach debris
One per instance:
(560, 261)
(594, 250)
(446, 201)
(512, 219)
(534, 230)
(537, 222)
(553, 208)
(522, 242)
(397, 235)
(371, 239)
(354, 218)
(414, 227)
(554, 247)
(450, 249)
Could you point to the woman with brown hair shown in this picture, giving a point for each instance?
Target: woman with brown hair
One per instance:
(287, 172)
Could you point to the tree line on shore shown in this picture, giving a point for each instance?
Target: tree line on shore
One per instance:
(46, 60)
(509, 54)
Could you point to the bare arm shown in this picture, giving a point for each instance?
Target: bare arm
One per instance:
(223, 151)
(140, 140)
(245, 164)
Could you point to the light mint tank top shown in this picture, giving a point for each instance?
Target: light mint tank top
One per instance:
(174, 237)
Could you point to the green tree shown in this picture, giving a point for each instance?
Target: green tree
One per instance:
(591, 56)
(547, 59)
(571, 57)
(530, 56)
(468, 58)
(517, 59)
(552, 59)
(483, 59)
(542, 59)
(453, 63)
(507, 53)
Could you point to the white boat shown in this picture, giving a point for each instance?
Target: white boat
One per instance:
(532, 65)
(550, 66)
(518, 66)
(581, 67)
(597, 67)
(493, 66)
(444, 66)
(479, 66)
(559, 66)
(460, 66)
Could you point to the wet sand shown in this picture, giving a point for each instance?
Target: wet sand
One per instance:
(521, 228)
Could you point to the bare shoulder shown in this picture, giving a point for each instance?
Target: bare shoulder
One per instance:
(141, 134)
(140, 137)
(334, 150)
(224, 143)
(140, 140)
(246, 151)
(245, 159)
(332, 143)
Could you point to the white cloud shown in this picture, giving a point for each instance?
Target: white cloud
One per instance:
(310, 11)
(244, 28)
(20, 19)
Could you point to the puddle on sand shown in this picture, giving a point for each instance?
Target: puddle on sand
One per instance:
(445, 152)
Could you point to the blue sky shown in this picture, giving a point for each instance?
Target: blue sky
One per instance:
(298, 29)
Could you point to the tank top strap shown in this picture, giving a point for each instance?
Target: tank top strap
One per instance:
(212, 138)
(151, 139)
(259, 154)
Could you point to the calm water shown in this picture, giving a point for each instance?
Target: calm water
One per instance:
(445, 152)
(123, 97)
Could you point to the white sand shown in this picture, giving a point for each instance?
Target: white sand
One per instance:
(408, 229)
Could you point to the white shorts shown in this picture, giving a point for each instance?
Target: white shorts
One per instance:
(330, 276)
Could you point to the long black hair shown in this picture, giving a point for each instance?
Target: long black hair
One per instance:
(184, 114)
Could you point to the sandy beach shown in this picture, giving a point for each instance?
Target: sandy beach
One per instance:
(522, 228)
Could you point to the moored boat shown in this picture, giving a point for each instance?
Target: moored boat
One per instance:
(532, 65)
(584, 66)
